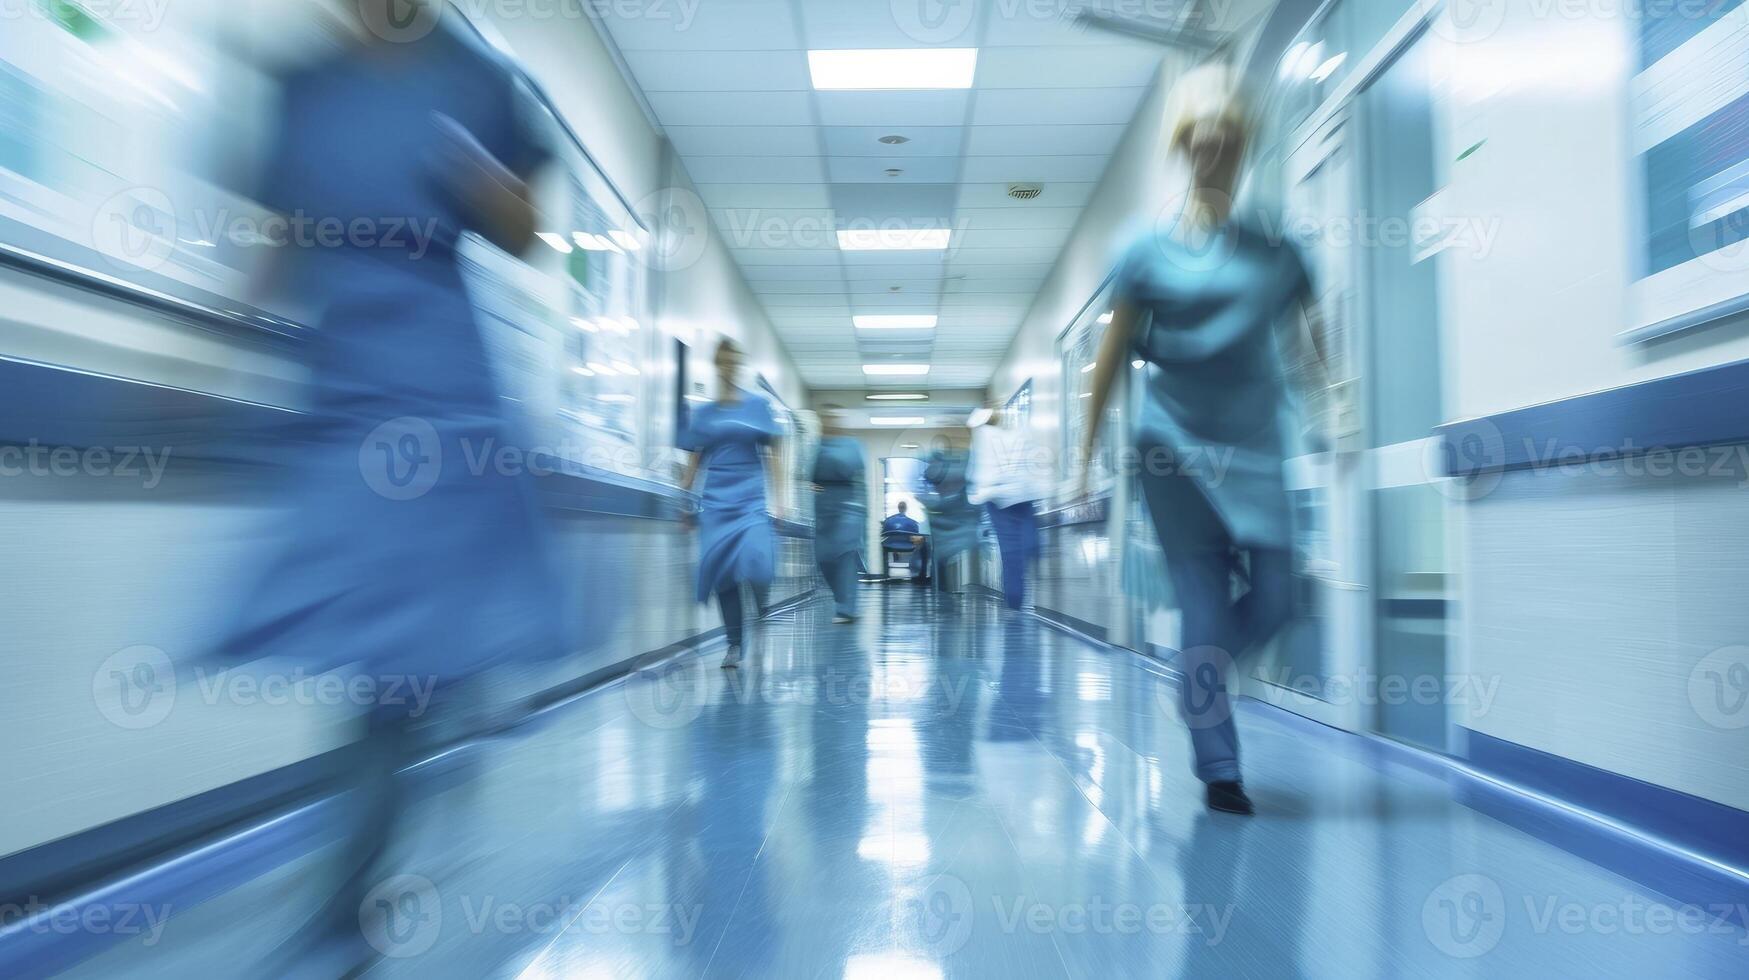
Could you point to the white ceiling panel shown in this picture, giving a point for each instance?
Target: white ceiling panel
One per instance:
(892, 109)
(716, 25)
(1065, 69)
(999, 256)
(1012, 238)
(889, 23)
(996, 219)
(777, 170)
(1035, 169)
(1045, 106)
(1057, 194)
(922, 141)
(771, 275)
(786, 256)
(1042, 140)
(873, 170)
(720, 71)
(720, 141)
(782, 168)
(732, 109)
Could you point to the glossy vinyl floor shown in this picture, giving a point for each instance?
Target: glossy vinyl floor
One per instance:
(945, 789)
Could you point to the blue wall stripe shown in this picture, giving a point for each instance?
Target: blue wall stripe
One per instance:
(1707, 407)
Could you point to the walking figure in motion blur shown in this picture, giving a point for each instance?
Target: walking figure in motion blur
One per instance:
(953, 519)
(1209, 302)
(840, 511)
(1006, 477)
(396, 562)
(730, 441)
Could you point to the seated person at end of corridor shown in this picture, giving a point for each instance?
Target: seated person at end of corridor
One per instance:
(901, 533)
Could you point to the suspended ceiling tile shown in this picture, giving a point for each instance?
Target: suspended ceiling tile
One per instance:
(1044, 106)
(720, 71)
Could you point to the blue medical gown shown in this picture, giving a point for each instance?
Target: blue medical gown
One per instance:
(736, 542)
(953, 520)
(1216, 408)
(404, 549)
(841, 506)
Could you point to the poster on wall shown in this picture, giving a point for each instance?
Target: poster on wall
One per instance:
(1691, 134)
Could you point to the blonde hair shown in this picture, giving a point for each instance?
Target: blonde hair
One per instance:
(1207, 91)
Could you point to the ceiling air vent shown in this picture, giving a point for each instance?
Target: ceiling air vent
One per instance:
(1025, 192)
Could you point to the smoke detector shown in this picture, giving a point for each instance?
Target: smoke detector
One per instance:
(894, 140)
(894, 171)
(1025, 192)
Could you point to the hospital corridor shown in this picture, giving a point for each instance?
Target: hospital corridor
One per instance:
(874, 489)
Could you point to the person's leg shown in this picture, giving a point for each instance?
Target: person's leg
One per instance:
(1011, 541)
(840, 572)
(1269, 602)
(376, 803)
(729, 600)
(1199, 564)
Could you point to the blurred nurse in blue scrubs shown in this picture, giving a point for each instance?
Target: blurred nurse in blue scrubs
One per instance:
(1209, 301)
(953, 519)
(840, 511)
(730, 440)
(397, 562)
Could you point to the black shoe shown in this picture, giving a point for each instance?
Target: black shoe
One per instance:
(1228, 796)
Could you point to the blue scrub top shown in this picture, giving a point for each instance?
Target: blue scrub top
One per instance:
(1216, 407)
(736, 542)
(841, 506)
(393, 553)
(896, 532)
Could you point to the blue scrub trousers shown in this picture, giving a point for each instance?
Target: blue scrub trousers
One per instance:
(734, 617)
(840, 572)
(1201, 559)
(1017, 540)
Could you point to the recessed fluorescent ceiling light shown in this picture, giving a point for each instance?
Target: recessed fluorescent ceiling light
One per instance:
(901, 370)
(892, 68)
(893, 239)
(898, 420)
(894, 321)
(898, 398)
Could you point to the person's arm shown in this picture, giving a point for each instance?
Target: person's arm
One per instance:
(688, 477)
(1113, 355)
(497, 201)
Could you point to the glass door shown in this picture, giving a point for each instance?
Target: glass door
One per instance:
(1310, 667)
(1412, 569)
